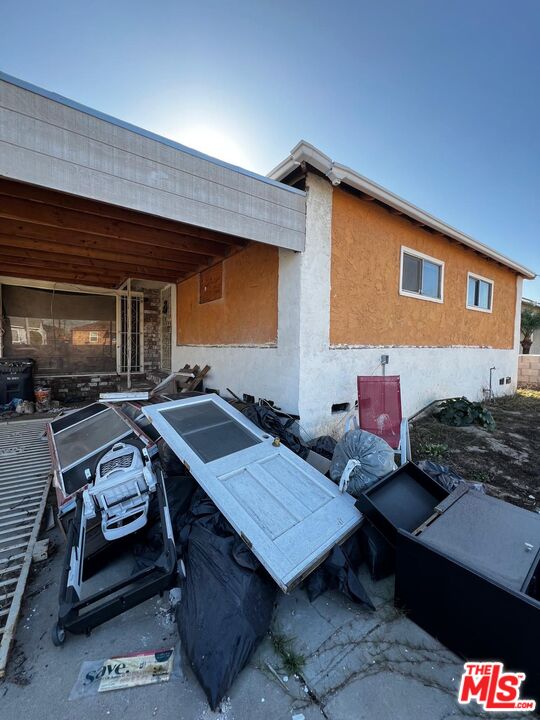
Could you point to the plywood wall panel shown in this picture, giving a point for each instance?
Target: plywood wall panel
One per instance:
(247, 312)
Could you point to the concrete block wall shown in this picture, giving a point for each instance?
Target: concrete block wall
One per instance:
(529, 371)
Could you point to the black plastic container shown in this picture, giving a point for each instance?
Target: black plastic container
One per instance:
(16, 379)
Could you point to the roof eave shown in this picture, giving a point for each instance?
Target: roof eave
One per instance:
(336, 173)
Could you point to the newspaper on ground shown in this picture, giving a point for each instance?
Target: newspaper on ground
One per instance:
(125, 671)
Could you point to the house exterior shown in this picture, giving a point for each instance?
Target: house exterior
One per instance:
(288, 286)
(303, 326)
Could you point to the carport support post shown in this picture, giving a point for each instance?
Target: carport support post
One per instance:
(128, 309)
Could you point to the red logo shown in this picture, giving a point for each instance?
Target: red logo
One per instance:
(492, 687)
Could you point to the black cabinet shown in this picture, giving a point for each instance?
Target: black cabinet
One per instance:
(467, 568)
(16, 379)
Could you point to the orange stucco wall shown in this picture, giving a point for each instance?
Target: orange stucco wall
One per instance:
(248, 311)
(366, 307)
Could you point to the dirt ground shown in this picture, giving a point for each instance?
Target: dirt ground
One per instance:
(505, 460)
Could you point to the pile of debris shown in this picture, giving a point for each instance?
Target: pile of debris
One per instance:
(227, 502)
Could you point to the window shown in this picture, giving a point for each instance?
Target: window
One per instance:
(479, 293)
(64, 332)
(421, 276)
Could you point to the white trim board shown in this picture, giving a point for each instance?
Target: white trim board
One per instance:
(475, 276)
(305, 152)
(422, 256)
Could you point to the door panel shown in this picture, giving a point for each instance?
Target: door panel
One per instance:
(285, 510)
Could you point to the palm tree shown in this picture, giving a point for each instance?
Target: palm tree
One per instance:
(530, 321)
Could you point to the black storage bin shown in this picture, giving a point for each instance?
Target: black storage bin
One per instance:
(16, 379)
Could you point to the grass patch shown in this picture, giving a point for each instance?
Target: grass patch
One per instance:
(432, 450)
(292, 662)
(524, 399)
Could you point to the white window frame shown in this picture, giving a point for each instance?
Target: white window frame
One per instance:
(422, 256)
(93, 336)
(475, 276)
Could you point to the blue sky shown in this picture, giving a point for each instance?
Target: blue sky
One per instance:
(439, 101)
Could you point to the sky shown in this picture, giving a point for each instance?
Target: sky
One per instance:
(437, 100)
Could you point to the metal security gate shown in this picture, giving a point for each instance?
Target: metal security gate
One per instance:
(25, 471)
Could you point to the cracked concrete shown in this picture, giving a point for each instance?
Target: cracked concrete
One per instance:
(359, 664)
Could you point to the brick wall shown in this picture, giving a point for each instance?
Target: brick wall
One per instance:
(529, 371)
(152, 329)
(77, 388)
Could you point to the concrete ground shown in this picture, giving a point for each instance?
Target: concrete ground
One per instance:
(359, 664)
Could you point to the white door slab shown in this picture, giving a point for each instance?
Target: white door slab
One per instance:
(286, 511)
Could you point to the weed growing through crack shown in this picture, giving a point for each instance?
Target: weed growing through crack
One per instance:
(292, 662)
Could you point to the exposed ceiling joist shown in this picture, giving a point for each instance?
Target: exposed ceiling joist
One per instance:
(18, 271)
(14, 189)
(27, 247)
(50, 216)
(94, 246)
(56, 260)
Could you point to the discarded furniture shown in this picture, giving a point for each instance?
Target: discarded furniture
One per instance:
(288, 513)
(467, 567)
(16, 379)
(77, 441)
(120, 492)
(379, 411)
(78, 614)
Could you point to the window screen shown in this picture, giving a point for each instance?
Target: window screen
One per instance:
(479, 293)
(421, 276)
(209, 431)
(63, 332)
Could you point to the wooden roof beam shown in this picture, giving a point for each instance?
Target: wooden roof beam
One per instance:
(94, 246)
(46, 259)
(23, 271)
(40, 214)
(11, 188)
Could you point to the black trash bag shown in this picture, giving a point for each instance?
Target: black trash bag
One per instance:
(148, 542)
(324, 445)
(379, 554)
(340, 572)
(446, 477)
(225, 610)
(277, 426)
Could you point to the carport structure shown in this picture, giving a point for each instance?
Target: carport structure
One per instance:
(89, 199)
(91, 204)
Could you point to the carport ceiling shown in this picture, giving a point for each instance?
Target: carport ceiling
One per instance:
(49, 235)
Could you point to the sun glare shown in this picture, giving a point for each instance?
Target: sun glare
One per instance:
(214, 142)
